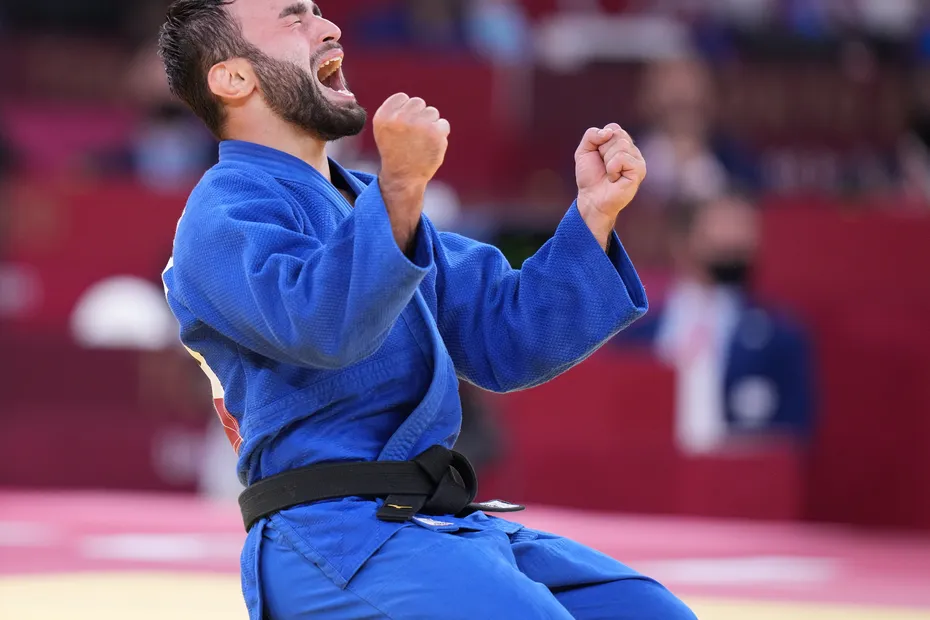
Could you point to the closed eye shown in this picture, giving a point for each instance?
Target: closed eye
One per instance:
(301, 8)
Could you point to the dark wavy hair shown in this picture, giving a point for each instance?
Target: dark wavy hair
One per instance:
(196, 35)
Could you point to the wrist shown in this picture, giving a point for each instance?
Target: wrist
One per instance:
(404, 188)
(405, 234)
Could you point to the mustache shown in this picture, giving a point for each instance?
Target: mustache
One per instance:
(325, 49)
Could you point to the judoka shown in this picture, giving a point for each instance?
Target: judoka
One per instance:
(335, 322)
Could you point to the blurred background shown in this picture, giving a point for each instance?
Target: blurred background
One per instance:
(760, 438)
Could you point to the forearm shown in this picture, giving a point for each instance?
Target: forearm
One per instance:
(600, 224)
(404, 205)
(566, 301)
(290, 296)
(365, 281)
(327, 309)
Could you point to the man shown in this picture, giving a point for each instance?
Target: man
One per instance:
(333, 321)
(744, 370)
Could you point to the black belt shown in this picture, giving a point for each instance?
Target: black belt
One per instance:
(437, 482)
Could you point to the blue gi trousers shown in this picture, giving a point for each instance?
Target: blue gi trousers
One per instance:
(423, 573)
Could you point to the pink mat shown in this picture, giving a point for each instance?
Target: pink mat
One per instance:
(64, 532)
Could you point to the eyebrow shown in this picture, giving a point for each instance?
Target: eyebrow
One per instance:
(297, 8)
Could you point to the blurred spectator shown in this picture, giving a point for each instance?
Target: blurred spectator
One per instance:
(889, 18)
(17, 286)
(499, 31)
(169, 149)
(687, 159)
(811, 18)
(748, 13)
(579, 6)
(435, 25)
(914, 143)
(7, 164)
(99, 17)
(742, 369)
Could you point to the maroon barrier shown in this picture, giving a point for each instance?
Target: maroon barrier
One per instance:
(870, 464)
(72, 235)
(599, 436)
(860, 282)
(602, 437)
(99, 448)
(110, 419)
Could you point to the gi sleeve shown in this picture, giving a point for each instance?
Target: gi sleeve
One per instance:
(509, 329)
(245, 265)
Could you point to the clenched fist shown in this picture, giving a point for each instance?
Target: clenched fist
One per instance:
(412, 139)
(609, 170)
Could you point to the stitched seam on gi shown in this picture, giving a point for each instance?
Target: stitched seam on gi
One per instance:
(438, 543)
(281, 524)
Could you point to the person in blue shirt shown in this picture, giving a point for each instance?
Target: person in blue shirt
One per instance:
(744, 368)
(335, 322)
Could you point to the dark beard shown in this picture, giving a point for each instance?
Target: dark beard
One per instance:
(295, 96)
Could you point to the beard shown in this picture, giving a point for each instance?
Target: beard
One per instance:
(296, 96)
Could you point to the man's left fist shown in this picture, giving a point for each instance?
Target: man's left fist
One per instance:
(609, 169)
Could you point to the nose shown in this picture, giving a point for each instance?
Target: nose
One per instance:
(329, 31)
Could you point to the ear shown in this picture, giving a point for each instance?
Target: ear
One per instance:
(232, 79)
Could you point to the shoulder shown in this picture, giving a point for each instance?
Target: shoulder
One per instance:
(226, 201)
(235, 192)
(227, 184)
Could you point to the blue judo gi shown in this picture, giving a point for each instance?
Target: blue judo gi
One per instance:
(324, 342)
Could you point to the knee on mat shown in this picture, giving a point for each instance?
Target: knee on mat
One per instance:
(661, 604)
(677, 610)
(645, 599)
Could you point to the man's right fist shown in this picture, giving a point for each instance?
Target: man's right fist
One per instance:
(412, 140)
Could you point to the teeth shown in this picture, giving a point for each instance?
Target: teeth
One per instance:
(329, 67)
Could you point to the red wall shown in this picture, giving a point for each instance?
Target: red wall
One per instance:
(601, 437)
(861, 280)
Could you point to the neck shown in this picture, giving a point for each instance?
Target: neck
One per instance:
(282, 136)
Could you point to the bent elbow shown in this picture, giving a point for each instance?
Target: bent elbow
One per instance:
(514, 382)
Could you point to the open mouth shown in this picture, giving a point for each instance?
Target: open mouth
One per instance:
(330, 76)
